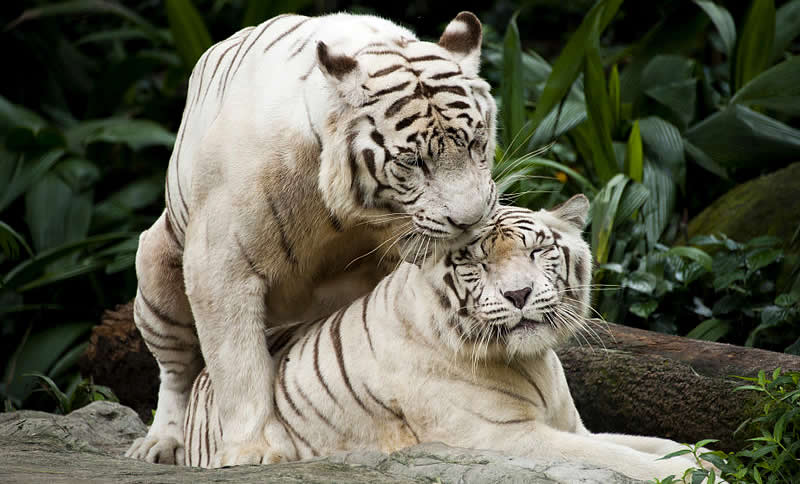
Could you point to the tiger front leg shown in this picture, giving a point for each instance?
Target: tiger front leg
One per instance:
(228, 303)
(164, 319)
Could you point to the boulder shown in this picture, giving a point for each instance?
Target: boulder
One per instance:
(87, 446)
(768, 205)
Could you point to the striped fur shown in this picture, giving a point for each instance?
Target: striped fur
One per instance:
(313, 155)
(447, 353)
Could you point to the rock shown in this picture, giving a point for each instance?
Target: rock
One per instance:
(87, 446)
(768, 205)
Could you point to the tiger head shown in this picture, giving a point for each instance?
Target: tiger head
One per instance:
(416, 131)
(519, 286)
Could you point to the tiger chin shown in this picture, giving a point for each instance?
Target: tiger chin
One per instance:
(457, 350)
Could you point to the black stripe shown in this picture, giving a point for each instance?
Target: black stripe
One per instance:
(425, 58)
(386, 71)
(430, 91)
(214, 72)
(160, 315)
(280, 37)
(365, 303)
(336, 338)
(287, 247)
(171, 231)
(407, 121)
(293, 431)
(314, 408)
(178, 175)
(266, 26)
(303, 45)
(397, 414)
(316, 369)
(235, 55)
(445, 75)
(398, 87)
(311, 123)
(142, 323)
(458, 105)
(282, 380)
(355, 183)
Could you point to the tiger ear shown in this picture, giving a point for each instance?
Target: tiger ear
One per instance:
(343, 73)
(462, 38)
(575, 210)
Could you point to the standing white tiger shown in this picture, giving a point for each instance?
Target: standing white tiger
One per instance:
(457, 351)
(305, 143)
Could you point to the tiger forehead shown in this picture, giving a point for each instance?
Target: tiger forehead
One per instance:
(506, 237)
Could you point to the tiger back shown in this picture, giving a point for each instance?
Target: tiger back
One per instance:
(458, 350)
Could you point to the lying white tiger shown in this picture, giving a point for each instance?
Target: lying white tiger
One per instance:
(459, 351)
(306, 144)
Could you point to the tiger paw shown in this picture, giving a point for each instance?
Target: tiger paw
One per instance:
(157, 450)
(245, 453)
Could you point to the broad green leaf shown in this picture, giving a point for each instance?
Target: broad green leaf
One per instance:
(694, 254)
(21, 172)
(13, 115)
(58, 207)
(614, 96)
(675, 34)
(35, 266)
(740, 137)
(664, 145)
(710, 330)
(787, 27)
(524, 164)
(659, 205)
(679, 97)
(754, 48)
(571, 114)
(39, 352)
(760, 258)
(603, 213)
(704, 160)
(68, 360)
(777, 88)
(136, 133)
(723, 21)
(11, 241)
(82, 7)
(641, 281)
(645, 309)
(513, 105)
(634, 157)
(570, 61)
(600, 115)
(188, 31)
(112, 36)
(632, 200)
(123, 203)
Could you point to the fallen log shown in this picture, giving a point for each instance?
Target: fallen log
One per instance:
(628, 380)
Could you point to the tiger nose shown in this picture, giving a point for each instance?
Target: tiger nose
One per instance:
(518, 297)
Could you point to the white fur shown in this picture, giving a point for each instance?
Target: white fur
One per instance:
(405, 374)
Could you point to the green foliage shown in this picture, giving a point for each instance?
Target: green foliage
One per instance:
(772, 456)
(79, 393)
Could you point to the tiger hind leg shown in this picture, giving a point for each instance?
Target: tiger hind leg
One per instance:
(164, 318)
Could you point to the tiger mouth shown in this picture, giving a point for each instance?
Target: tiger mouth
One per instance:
(525, 324)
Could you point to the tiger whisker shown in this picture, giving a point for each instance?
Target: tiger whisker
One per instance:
(368, 253)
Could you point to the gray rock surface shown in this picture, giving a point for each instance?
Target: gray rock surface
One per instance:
(87, 446)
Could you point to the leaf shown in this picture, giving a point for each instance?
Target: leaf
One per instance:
(694, 254)
(738, 137)
(503, 170)
(754, 48)
(664, 145)
(603, 212)
(777, 88)
(11, 240)
(600, 115)
(35, 266)
(136, 133)
(13, 115)
(675, 454)
(633, 198)
(787, 27)
(704, 160)
(22, 172)
(68, 360)
(710, 330)
(188, 31)
(513, 102)
(641, 281)
(81, 7)
(571, 114)
(614, 96)
(723, 21)
(760, 258)
(634, 158)
(124, 202)
(659, 205)
(570, 61)
(39, 353)
(645, 309)
(50, 386)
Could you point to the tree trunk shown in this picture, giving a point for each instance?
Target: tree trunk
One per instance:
(630, 380)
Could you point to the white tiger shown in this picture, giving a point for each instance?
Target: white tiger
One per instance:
(305, 144)
(457, 351)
